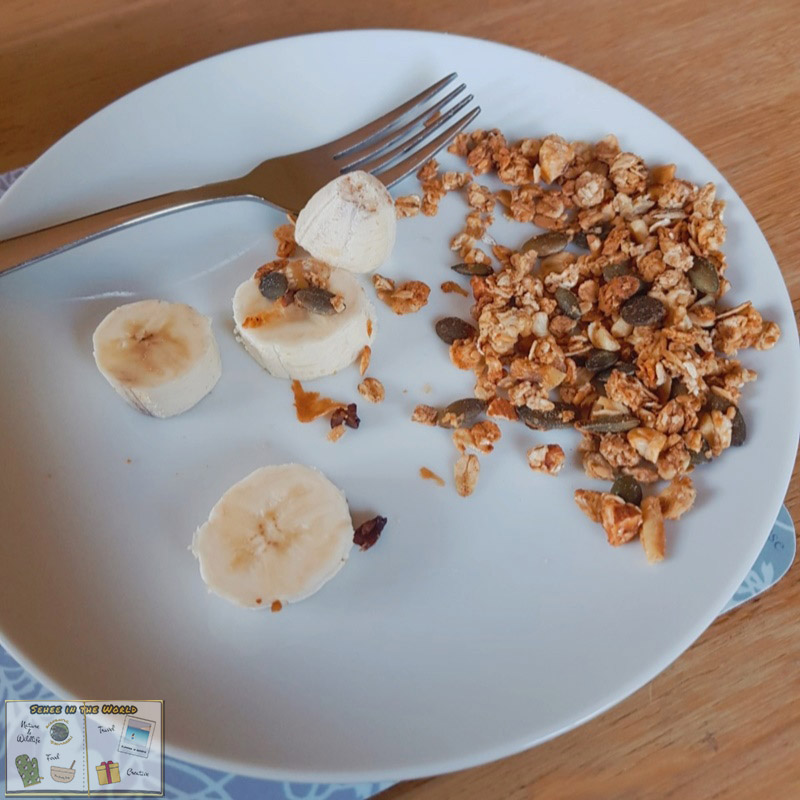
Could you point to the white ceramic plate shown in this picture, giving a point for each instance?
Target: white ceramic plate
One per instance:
(476, 627)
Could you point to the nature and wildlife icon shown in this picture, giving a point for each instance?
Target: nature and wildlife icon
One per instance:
(59, 732)
(28, 769)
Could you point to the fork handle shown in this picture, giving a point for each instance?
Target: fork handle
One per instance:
(19, 251)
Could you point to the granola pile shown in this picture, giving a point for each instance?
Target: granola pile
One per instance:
(612, 321)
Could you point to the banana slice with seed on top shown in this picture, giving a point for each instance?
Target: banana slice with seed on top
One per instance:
(278, 535)
(161, 357)
(302, 319)
(349, 223)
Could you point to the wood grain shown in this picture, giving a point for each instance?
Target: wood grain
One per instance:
(724, 720)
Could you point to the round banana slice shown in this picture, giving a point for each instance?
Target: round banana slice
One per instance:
(161, 357)
(277, 535)
(290, 336)
(349, 223)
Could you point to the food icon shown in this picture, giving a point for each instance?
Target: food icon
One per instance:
(62, 774)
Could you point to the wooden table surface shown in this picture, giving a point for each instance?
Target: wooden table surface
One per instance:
(724, 720)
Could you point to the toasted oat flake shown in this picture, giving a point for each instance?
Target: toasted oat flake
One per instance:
(465, 473)
(408, 206)
(364, 359)
(372, 389)
(425, 415)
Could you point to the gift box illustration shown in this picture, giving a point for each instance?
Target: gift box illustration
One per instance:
(28, 769)
(108, 772)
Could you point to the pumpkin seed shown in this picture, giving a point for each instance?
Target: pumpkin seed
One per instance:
(628, 488)
(561, 416)
(451, 328)
(568, 302)
(315, 300)
(599, 360)
(738, 429)
(473, 269)
(716, 402)
(678, 388)
(461, 413)
(703, 276)
(273, 285)
(579, 240)
(643, 310)
(616, 423)
(545, 244)
(599, 380)
(700, 457)
(616, 270)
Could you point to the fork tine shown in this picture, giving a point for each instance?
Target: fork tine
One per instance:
(391, 176)
(409, 144)
(363, 135)
(371, 150)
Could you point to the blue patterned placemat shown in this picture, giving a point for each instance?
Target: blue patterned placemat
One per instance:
(184, 780)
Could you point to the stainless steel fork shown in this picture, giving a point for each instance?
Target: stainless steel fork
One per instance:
(389, 147)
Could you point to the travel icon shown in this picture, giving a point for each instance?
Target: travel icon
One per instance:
(137, 733)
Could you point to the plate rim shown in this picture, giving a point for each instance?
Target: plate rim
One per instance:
(508, 747)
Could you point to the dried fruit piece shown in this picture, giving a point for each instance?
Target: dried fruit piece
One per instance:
(346, 416)
(367, 533)
(449, 329)
(643, 310)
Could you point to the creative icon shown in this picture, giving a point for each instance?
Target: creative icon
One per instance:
(28, 769)
(108, 772)
(59, 732)
(62, 774)
(137, 733)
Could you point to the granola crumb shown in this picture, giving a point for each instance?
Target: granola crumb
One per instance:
(407, 298)
(546, 458)
(451, 286)
(425, 415)
(334, 434)
(430, 475)
(284, 234)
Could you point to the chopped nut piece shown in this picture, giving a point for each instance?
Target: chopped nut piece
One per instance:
(555, 155)
(466, 474)
(595, 466)
(589, 502)
(372, 389)
(647, 443)
(652, 534)
(425, 415)
(621, 521)
(546, 458)
(334, 434)
(677, 498)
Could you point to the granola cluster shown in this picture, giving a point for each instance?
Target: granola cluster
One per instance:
(611, 321)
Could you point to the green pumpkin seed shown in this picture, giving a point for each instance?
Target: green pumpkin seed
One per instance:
(738, 429)
(545, 244)
(273, 285)
(700, 457)
(461, 413)
(643, 310)
(613, 423)
(628, 488)
(451, 328)
(599, 360)
(568, 302)
(678, 388)
(599, 380)
(561, 416)
(703, 276)
(315, 300)
(473, 269)
(616, 270)
(579, 239)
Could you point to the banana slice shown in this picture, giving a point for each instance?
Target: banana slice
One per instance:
(161, 357)
(291, 341)
(349, 223)
(277, 535)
